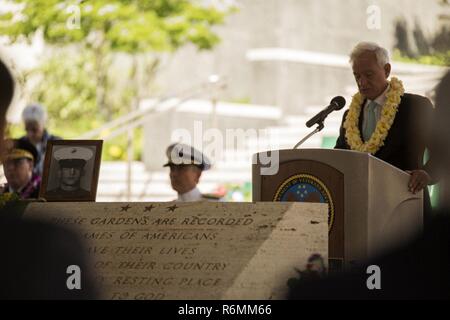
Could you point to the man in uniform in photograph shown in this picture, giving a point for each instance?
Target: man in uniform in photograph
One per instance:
(71, 162)
(186, 166)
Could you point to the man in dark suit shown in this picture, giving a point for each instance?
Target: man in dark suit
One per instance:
(408, 135)
(417, 270)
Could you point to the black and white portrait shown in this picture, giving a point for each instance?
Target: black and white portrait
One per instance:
(71, 170)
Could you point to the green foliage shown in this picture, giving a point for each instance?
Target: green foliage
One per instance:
(242, 100)
(328, 142)
(123, 25)
(117, 148)
(238, 192)
(68, 90)
(438, 59)
(433, 49)
(78, 82)
(114, 150)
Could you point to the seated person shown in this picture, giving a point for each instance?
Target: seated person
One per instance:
(186, 166)
(71, 162)
(18, 163)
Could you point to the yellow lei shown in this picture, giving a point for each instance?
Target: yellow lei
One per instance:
(388, 111)
(7, 197)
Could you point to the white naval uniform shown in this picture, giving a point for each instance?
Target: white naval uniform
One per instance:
(195, 195)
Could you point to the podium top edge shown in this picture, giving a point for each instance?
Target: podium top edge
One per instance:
(318, 151)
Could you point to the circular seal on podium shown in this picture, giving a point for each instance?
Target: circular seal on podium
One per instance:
(306, 188)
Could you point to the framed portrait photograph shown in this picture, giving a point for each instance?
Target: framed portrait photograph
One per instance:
(71, 170)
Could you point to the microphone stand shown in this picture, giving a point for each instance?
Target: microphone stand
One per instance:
(320, 126)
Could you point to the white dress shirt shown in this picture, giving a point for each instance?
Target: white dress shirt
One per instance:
(196, 195)
(193, 195)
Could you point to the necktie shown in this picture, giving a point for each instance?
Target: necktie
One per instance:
(371, 122)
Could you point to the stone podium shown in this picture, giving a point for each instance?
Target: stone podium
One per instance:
(370, 207)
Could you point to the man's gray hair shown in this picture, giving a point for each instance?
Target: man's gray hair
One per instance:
(381, 53)
(34, 112)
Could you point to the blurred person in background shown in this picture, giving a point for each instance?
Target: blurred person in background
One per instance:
(186, 166)
(442, 139)
(34, 117)
(18, 164)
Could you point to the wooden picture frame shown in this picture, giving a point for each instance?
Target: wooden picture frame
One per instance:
(71, 171)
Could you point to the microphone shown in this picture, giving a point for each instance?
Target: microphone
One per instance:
(337, 103)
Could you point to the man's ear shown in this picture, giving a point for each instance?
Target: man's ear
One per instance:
(387, 70)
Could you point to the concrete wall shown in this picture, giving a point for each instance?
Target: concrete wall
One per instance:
(325, 26)
(196, 117)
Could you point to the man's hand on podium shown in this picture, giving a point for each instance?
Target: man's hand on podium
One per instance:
(419, 180)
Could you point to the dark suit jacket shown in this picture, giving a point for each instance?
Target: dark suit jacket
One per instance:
(407, 139)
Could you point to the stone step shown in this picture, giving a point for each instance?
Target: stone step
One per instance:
(143, 177)
(241, 165)
(298, 131)
(155, 186)
(290, 140)
(333, 119)
(134, 198)
(159, 190)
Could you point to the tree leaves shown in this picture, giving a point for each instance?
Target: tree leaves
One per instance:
(79, 83)
(126, 25)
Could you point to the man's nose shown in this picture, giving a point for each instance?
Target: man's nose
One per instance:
(362, 82)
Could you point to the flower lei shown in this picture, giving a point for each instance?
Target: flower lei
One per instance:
(8, 197)
(388, 111)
